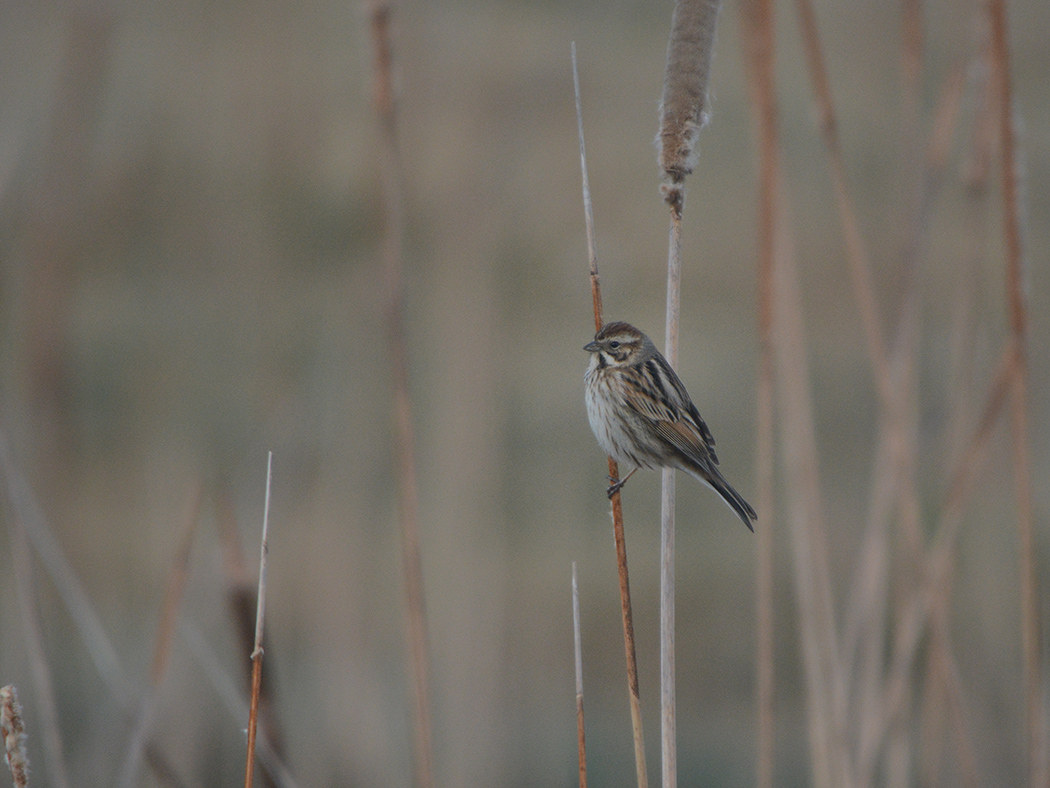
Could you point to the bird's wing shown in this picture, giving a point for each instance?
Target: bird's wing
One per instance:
(672, 414)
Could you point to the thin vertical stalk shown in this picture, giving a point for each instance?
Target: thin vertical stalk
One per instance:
(860, 267)
(404, 437)
(824, 679)
(227, 690)
(1018, 315)
(581, 738)
(241, 604)
(908, 632)
(668, 724)
(614, 471)
(260, 618)
(895, 468)
(683, 113)
(757, 31)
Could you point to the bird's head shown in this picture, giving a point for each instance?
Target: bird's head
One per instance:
(619, 345)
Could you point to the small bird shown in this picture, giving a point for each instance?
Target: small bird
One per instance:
(643, 417)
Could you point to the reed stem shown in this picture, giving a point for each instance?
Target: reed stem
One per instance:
(614, 471)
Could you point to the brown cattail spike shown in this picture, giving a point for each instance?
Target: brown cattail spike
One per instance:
(14, 736)
(683, 109)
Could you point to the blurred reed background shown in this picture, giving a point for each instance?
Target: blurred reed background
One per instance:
(190, 275)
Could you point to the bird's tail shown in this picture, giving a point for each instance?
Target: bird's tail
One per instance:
(713, 479)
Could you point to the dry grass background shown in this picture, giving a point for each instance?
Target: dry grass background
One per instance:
(195, 191)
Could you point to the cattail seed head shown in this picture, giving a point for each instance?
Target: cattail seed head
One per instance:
(14, 736)
(683, 108)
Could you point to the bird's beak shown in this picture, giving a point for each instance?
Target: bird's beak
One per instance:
(591, 347)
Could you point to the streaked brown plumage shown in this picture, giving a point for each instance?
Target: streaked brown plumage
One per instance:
(643, 417)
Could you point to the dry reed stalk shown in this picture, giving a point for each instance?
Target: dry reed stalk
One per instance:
(941, 656)
(668, 726)
(614, 471)
(889, 395)
(913, 620)
(897, 471)
(758, 45)
(404, 436)
(683, 113)
(877, 579)
(668, 723)
(229, 691)
(963, 376)
(581, 739)
(945, 677)
(162, 645)
(1010, 172)
(860, 267)
(825, 681)
(895, 474)
(901, 427)
(964, 336)
(962, 381)
(241, 602)
(903, 422)
(13, 732)
(39, 667)
(260, 618)
(911, 72)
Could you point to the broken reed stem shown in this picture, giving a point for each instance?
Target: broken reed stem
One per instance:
(241, 603)
(260, 616)
(581, 739)
(1018, 315)
(757, 30)
(14, 736)
(614, 471)
(404, 435)
(229, 692)
(588, 207)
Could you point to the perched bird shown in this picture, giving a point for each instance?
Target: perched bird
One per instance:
(642, 416)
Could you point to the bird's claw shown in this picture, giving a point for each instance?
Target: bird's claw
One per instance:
(616, 486)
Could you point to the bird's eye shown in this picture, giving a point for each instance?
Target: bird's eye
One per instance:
(614, 344)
